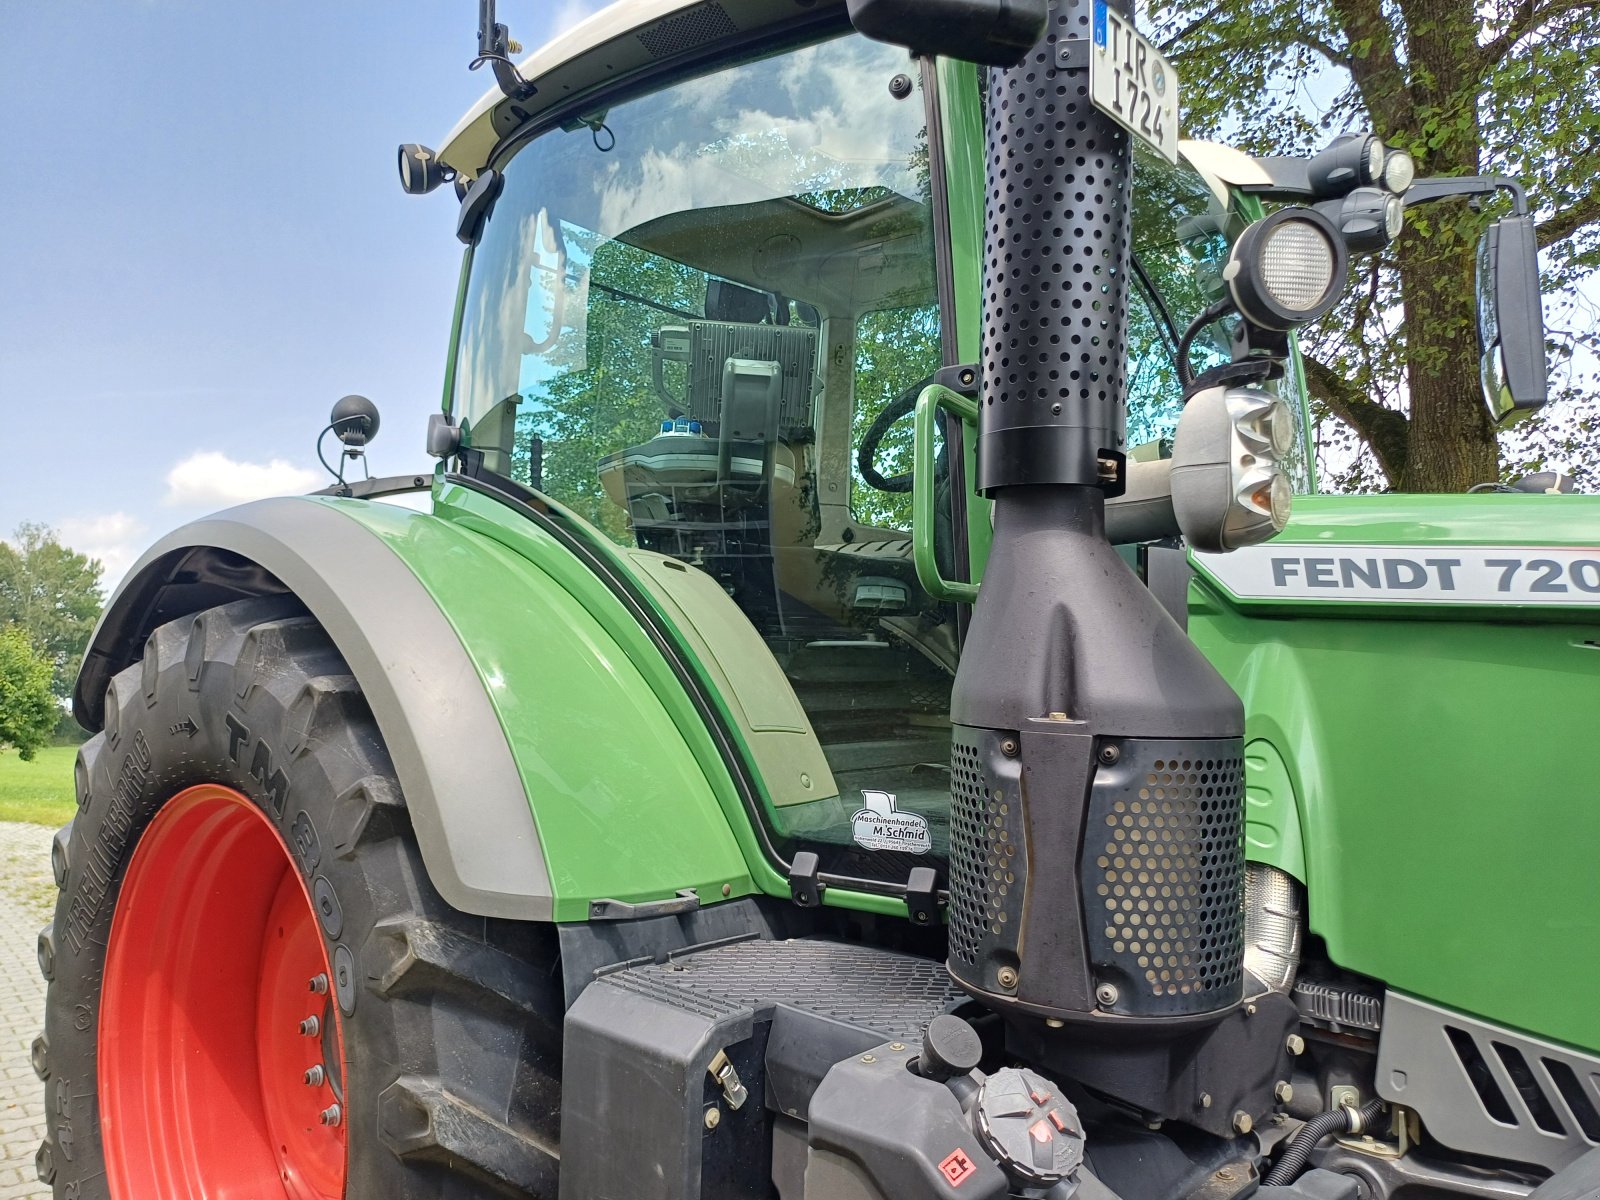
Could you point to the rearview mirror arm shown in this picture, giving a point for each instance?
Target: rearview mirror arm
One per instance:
(1425, 191)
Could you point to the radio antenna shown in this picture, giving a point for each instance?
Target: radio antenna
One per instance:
(495, 47)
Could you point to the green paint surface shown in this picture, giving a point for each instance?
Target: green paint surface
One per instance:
(630, 794)
(623, 807)
(961, 125)
(1443, 773)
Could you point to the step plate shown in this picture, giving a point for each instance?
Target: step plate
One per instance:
(894, 995)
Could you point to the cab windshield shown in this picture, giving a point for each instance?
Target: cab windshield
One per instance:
(696, 319)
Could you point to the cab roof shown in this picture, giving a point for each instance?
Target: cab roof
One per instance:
(626, 39)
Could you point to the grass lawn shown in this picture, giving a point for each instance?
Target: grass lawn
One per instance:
(39, 791)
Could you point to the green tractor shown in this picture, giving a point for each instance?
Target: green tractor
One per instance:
(849, 717)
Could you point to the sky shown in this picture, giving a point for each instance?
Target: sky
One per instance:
(204, 244)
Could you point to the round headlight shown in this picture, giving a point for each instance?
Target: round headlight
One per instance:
(1375, 152)
(1286, 269)
(1265, 422)
(1280, 428)
(1399, 170)
(1273, 498)
(1394, 217)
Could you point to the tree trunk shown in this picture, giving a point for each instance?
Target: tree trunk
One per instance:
(1451, 441)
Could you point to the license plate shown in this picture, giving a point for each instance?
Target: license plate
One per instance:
(1132, 83)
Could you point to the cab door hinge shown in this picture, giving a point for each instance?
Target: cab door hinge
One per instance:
(922, 896)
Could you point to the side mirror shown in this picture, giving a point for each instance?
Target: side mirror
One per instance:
(1510, 320)
(998, 33)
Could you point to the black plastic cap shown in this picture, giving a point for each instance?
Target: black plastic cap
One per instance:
(998, 33)
(950, 1047)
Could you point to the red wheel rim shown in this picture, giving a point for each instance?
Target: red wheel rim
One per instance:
(213, 963)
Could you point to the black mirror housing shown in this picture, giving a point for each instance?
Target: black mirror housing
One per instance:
(1511, 320)
(997, 33)
(477, 204)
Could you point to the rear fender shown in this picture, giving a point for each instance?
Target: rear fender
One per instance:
(518, 731)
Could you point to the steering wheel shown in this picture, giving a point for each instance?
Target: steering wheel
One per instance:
(900, 406)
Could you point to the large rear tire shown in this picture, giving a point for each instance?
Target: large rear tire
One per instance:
(254, 988)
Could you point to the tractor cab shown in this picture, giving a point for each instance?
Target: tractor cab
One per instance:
(695, 319)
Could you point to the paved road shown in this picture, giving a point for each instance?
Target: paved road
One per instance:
(27, 895)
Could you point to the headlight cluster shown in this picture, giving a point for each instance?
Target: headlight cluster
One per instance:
(1229, 483)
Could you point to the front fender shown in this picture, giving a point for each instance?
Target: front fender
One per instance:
(540, 770)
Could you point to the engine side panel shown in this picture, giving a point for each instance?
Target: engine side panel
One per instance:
(1441, 753)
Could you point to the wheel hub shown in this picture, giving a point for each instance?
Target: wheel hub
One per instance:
(221, 1060)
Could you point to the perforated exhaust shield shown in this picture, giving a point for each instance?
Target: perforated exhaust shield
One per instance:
(1055, 270)
(1162, 871)
(1158, 873)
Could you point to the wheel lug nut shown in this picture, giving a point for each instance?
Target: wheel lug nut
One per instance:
(332, 1115)
(311, 1026)
(318, 984)
(316, 1075)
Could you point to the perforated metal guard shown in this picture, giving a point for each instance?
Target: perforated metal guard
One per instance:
(1055, 271)
(690, 28)
(988, 855)
(1163, 876)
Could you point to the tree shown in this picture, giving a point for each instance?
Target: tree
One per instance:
(28, 710)
(1468, 87)
(53, 594)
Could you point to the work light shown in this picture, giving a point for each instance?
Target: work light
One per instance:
(1369, 218)
(1351, 160)
(1399, 169)
(1286, 269)
(421, 170)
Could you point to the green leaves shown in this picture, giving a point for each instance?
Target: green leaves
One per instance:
(28, 711)
(53, 594)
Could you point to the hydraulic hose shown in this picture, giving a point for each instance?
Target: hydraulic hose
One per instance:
(1324, 1125)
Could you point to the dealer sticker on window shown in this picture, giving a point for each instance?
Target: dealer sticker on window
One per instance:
(1132, 83)
(881, 826)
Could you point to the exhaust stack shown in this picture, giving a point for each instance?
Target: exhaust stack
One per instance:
(1096, 857)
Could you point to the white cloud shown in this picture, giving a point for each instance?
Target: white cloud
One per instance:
(210, 479)
(116, 539)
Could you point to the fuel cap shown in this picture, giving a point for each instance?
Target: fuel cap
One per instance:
(1029, 1127)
